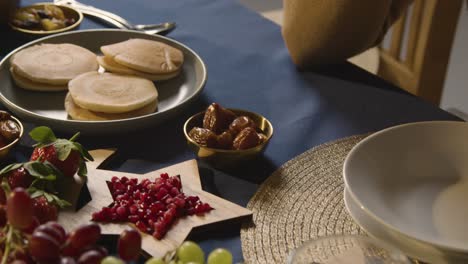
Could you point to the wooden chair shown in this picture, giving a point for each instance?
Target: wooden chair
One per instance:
(430, 26)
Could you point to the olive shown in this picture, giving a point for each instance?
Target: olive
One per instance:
(9, 129)
(69, 21)
(217, 118)
(43, 14)
(247, 138)
(203, 137)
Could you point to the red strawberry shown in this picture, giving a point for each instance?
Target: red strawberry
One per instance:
(66, 155)
(19, 178)
(43, 210)
(68, 167)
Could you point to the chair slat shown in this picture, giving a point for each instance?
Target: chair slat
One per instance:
(398, 30)
(413, 32)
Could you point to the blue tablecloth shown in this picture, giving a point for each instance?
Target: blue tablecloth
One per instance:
(249, 67)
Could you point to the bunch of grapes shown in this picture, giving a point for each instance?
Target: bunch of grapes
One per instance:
(20, 242)
(191, 253)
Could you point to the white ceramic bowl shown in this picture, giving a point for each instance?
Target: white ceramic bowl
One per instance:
(412, 247)
(413, 179)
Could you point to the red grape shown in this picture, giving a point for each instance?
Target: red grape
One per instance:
(84, 236)
(51, 231)
(67, 260)
(2, 196)
(19, 208)
(129, 244)
(35, 223)
(90, 257)
(44, 248)
(3, 216)
(57, 228)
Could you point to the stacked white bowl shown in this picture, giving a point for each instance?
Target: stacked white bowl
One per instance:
(408, 186)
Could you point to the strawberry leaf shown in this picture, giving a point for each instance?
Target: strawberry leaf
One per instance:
(50, 197)
(43, 135)
(82, 170)
(34, 192)
(10, 167)
(43, 171)
(63, 148)
(54, 199)
(74, 137)
(84, 153)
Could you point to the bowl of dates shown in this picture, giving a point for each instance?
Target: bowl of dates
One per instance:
(225, 137)
(45, 18)
(11, 131)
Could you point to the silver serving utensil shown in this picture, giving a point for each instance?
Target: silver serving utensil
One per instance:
(116, 20)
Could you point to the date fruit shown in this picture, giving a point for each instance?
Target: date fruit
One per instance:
(247, 138)
(217, 118)
(225, 140)
(9, 129)
(203, 137)
(240, 123)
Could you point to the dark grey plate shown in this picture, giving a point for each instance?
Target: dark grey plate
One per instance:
(47, 108)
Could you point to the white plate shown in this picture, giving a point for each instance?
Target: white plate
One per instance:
(413, 248)
(48, 108)
(410, 178)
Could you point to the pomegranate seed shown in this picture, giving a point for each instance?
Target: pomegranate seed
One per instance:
(174, 191)
(179, 202)
(118, 186)
(153, 206)
(161, 193)
(141, 226)
(122, 212)
(133, 218)
(133, 209)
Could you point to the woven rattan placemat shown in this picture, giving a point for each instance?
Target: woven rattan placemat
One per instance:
(300, 201)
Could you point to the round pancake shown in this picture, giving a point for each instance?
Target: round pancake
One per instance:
(27, 84)
(111, 93)
(54, 64)
(145, 55)
(110, 65)
(78, 113)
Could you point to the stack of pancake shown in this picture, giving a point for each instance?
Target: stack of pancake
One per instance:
(149, 59)
(108, 96)
(127, 92)
(49, 67)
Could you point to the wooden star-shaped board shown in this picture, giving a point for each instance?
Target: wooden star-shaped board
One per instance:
(191, 185)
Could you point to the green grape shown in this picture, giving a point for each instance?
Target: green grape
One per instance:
(112, 260)
(220, 256)
(190, 252)
(155, 261)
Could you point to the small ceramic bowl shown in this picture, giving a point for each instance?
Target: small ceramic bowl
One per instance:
(69, 13)
(6, 149)
(222, 158)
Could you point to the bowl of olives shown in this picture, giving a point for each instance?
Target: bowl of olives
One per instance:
(43, 19)
(225, 137)
(11, 131)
